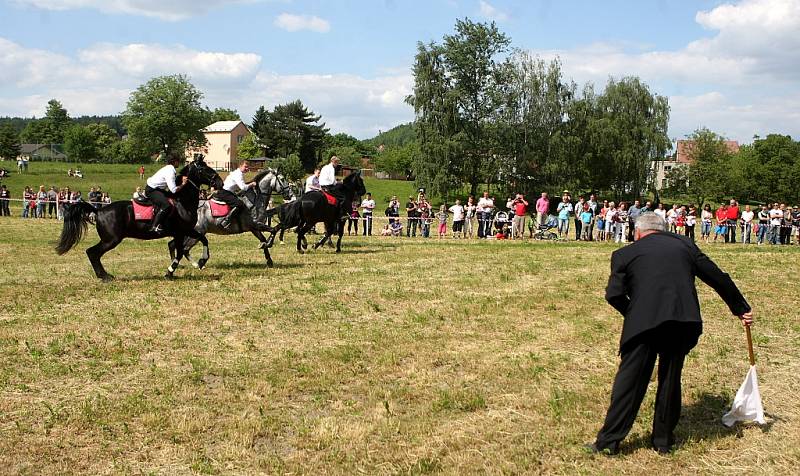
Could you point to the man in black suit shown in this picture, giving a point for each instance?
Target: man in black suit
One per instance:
(652, 286)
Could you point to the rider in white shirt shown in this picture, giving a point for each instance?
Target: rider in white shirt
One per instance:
(312, 182)
(234, 184)
(159, 186)
(327, 176)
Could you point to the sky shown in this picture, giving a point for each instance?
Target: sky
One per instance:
(731, 66)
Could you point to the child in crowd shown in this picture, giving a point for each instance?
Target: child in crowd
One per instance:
(442, 217)
(586, 219)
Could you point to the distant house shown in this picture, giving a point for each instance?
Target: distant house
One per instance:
(682, 157)
(40, 152)
(222, 144)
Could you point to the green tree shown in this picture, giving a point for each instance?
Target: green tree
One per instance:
(456, 98)
(707, 174)
(165, 114)
(397, 160)
(292, 129)
(249, 147)
(36, 132)
(79, 144)
(9, 142)
(57, 122)
(291, 167)
(261, 122)
(223, 114)
(102, 134)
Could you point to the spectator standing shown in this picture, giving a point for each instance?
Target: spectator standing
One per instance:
(425, 217)
(796, 224)
(633, 214)
(19, 165)
(592, 208)
(393, 210)
(747, 224)
(775, 220)
(542, 209)
(411, 212)
(564, 209)
(680, 221)
(367, 207)
(41, 202)
(458, 219)
(105, 199)
(706, 217)
(578, 209)
(485, 209)
(722, 223)
(352, 221)
(5, 198)
(601, 222)
(94, 197)
(691, 221)
(52, 200)
(470, 209)
(442, 217)
(672, 214)
(586, 216)
(622, 223)
(763, 224)
(733, 218)
(520, 207)
(786, 225)
(141, 172)
(661, 212)
(63, 200)
(611, 221)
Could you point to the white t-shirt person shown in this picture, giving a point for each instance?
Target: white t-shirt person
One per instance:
(327, 176)
(775, 217)
(234, 182)
(312, 183)
(165, 179)
(458, 212)
(368, 204)
(485, 205)
(747, 217)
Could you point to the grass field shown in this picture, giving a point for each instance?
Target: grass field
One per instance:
(395, 357)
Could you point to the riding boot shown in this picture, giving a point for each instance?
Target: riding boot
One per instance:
(226, 221)
(160, 215)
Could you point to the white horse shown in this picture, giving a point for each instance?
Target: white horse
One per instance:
(253, 219)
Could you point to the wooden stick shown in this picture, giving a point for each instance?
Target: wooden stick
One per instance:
(750, 346)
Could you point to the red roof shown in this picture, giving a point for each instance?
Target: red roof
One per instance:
(685, 147)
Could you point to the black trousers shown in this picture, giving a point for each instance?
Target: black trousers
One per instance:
(158, 197)
(229, 198)
(578, 226)
(638, 358)
(367, 223)
(412, 223)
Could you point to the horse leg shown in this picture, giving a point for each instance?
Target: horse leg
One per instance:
(188, 244)
(339, 241)
(301, 237)
(201, 263)
(177, 259)
(324, 238)
(96, 252)
(264, 246)
(171, 246)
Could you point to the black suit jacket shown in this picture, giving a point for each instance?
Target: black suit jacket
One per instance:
(652, 283)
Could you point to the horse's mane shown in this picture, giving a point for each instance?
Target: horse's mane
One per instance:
(263, 173)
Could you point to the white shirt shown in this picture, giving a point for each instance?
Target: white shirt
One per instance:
(661, 212)
(368, 205)
(747, 217)
(775, 216)
(234, 182)
(485, 204)
(164, 179)
(327, 176)
(312, 183)
(458, 212)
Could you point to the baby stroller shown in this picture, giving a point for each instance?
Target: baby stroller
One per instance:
(501, 223)
(545, 230)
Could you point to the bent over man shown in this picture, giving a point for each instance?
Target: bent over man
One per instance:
(161, 185)
(652, 286)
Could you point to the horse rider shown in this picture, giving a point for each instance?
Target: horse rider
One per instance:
(162, 185)
(312, 182)
(234, 184)
(327, 176)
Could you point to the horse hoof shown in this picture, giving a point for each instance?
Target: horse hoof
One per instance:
(196, 265)
(283, 242)
(270, 264)
(338, 250)
(107, 278)
(169, 276)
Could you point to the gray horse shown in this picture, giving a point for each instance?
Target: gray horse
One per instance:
(253, 219)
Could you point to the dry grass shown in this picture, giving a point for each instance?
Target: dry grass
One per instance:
(397, 356)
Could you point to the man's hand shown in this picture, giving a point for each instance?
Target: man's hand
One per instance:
(184, 180)
(747, 319)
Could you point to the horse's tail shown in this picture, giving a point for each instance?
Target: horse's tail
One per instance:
(76, 218)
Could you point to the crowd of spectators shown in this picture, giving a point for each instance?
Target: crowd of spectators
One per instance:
(48, 203)
(583, 219)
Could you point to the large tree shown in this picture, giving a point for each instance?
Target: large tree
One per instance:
(709, 161)
(223, 114)
(165, 114)
(57, 122)
(80, 145)
(457, 96)
(291, 129)
(9, 142)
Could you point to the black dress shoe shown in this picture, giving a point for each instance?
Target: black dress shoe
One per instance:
(594, 449)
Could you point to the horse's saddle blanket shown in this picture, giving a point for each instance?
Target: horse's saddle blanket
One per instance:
(330, 198)
(143, 208)
(219, 208)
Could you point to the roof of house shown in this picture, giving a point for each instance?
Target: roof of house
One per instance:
(222, 126)
(32, 149)
(685, 147)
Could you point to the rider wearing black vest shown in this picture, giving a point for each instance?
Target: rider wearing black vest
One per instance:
(161, 185)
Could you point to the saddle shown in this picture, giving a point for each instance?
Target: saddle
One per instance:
(218, 208)
(143, 209)
(330, 198)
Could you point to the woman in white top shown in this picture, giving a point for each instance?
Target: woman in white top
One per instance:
(469, 216)
(747, 224)
(705, 222)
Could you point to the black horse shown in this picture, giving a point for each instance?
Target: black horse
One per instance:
(116, 222)
(313, 208)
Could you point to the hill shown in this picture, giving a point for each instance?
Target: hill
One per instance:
(396, 136)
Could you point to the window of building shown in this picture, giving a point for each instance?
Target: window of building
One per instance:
(239, 139)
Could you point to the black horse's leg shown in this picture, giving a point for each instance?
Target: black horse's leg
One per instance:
(177, 259)
(324, 238)
(301, 236)
(339, 241)
(192, 240)
(171, 246)
(264, 246)
(96, 252)
(188, 244)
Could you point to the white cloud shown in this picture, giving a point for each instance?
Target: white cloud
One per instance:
(491, 12)
(293, 23)
(169, 10)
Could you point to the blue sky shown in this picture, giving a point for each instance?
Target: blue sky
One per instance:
(730, 66)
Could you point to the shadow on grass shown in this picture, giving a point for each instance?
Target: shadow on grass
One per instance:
(178, 277)
(255, 265)
(700, 420)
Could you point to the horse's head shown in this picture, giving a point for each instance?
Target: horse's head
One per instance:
(283, 187)
(355, 182)
(200, 173)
